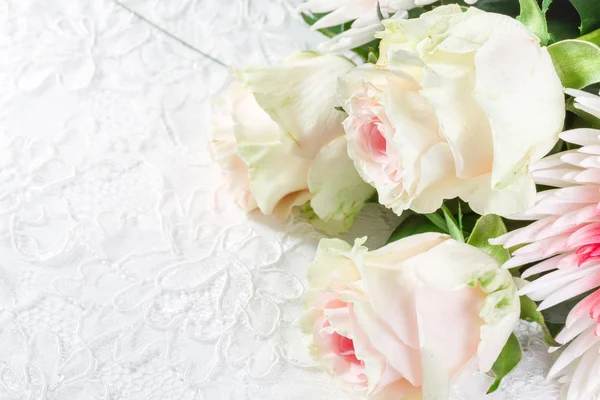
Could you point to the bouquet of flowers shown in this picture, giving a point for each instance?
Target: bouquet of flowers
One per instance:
(479, 124)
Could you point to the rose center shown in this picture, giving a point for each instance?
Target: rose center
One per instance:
(374, 142)
(345, 348)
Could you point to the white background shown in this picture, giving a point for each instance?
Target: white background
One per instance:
(125, 272)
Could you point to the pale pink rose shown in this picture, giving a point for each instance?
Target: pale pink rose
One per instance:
(281, 144)
(401, 322)
(440, 114)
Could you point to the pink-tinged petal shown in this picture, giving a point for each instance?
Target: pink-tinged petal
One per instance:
(576, 159)
(588, 307)
(375, 366)
(575, 328)
(581, 136)
(588, 176)
(554, 281)
(402, 358)
(584, 379)
(457, 311)
(551, 162)
(571, 290)
(524, 235)
(577, 217)
(591, 149)
(579, 194)
(391, 294)
(588, 234)
(544, 266)
(559, 177)
(518, 260)
(573, 351)
(543, 208)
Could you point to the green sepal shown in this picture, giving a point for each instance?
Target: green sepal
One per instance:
(413, 225)
(533, 17)
(507, 361)
(589, 11)
(489, 227)
(530, 313)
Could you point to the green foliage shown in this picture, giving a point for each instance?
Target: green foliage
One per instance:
(454, 227)
(589, 11)
(413, 225)
(507, 361)
(489, 227)
(592, 37)
(546, 5)
(577, 62)
(437, 220)
(530, 313)
(533, 18)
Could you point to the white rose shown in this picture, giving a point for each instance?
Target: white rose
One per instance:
(284, 145)
(459, 104)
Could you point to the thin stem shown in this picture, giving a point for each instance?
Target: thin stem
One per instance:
(162, 30)
(438, 221)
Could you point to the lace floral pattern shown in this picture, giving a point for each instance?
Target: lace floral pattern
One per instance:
(125, 272)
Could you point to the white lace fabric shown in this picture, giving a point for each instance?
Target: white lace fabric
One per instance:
(125, 271)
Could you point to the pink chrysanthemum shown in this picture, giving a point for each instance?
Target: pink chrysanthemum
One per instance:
(565, 242)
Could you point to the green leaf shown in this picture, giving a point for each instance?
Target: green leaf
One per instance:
(546, 5)
(489, 227)
(530, 313)
(509, 358)
(460, 218)
(533, 18)
(563, 21)
(453, 226)
(592, 37)
(589, 11)
(437, 220)
(374, 198)
(413, 225)
(577, 62)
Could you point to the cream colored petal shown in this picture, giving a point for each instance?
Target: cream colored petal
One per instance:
(339, 192)
(300, 96)
(483, 199)
(463, 122)
(470, 30)
(390, 284)
(274, 174)
(521, 93)
(438, 181)
(456, 312)
(284, 207)
(331, 265)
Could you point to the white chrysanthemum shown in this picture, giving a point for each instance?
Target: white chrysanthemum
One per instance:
(565, 240)
(362, 12)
